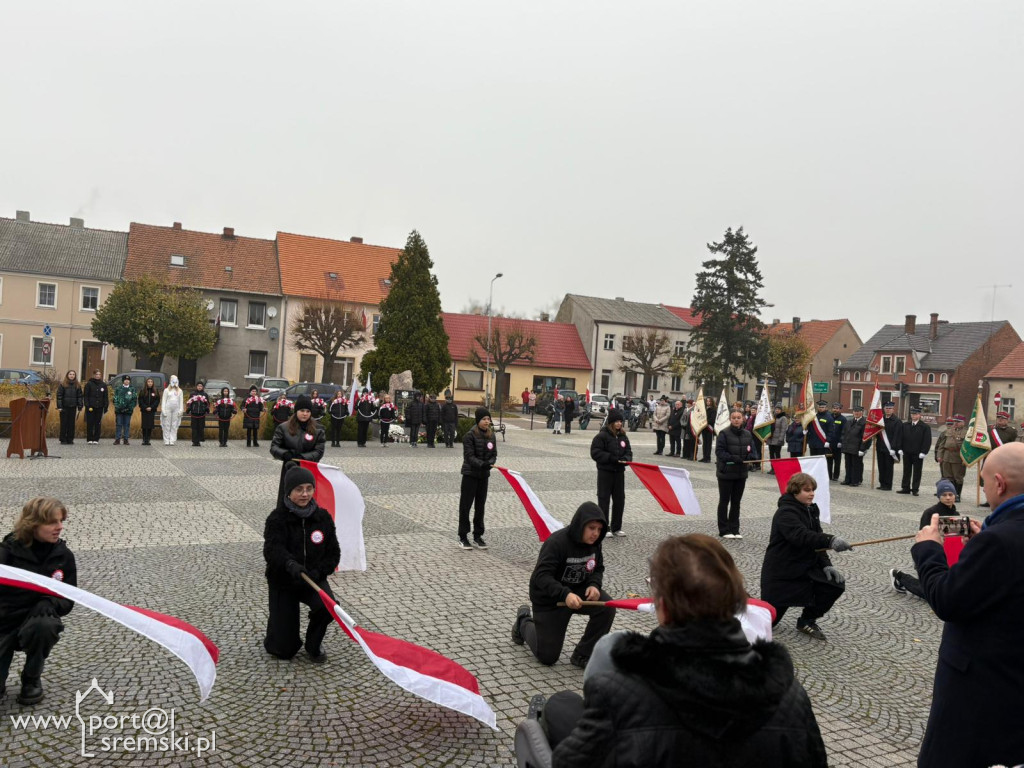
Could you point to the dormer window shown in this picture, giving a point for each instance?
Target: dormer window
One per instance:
(332, 275)
(177, 260)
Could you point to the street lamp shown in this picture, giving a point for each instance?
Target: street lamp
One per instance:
(487, 367)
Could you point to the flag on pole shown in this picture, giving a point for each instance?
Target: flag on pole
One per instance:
(977, 441)
(183, 640)
(699, 415)
(807, 412)
(539, 516)
(353, 399)
(555, 396)
(340, 497)
(722, 414)
(418, 670)
(588, 394)
(763, 420)
(756, 620)
(876, 418)
(670, 487)
(816, 467)
(369, 386)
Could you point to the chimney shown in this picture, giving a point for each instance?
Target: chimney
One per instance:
(77, 223)
(935, 326)
(355, 240)
(620, 298)
(775, 321)
(796, 324)
(22, 216)
(910, 326)
(229, 232)
(176, 225)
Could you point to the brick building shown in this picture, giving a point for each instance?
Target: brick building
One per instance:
(831, 342)
(1007, 380)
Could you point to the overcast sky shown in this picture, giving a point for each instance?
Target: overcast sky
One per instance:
(872, 150)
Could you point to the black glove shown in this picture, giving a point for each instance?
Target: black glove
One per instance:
(295, 569)
(43, 608)
(839, 545)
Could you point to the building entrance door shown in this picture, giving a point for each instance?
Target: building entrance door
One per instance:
(186, 372)
(92, 358)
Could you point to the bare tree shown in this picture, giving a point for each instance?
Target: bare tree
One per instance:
(510, 341)
(327, 327)
(646, 351)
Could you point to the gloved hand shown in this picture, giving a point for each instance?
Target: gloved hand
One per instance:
(839, 445)
(900, 452)
(826, 444)
(861, 454)
(893, 454)
(295, 569)
(43, 608)
(834, 576)
(920, 455)
(839, 545)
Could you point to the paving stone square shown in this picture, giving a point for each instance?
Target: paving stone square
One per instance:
(179, 530)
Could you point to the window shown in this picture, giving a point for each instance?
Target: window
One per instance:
(42, 351)
(609, 341)
(654, 382)
(257, 314)
(1008, 406)
(944, 379)
(680, 348)
(90, 298)
(677, 383)
(900, 364)
(856, 398)
(856, 375)
(846, 376)
(46, 295)
(931, 378)
(470, 380)
(606, 382)
(867, 376)
(177, 260)
(918, 378)
(376, 324)
(344, 367)
(886, 364)
(228, 312)
(257, 363)
(548, 383)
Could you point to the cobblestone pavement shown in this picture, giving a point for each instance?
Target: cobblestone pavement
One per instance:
(179, 529)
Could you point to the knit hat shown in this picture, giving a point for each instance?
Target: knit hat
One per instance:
(944, 486)
(297, 476)
(615, 415)
(303, 403)
(481, 412)
(254, 388)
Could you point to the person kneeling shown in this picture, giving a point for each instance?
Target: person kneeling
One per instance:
(693, 692)
(30, 621)
(569, 570)
(299, 538)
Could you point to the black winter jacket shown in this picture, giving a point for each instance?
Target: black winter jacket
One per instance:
(302, 445)
(696, 694)
(915, 439)
(366, 410)
(607, 449)
(479, 452)
(282, 410)
(338, 409)
(252, 410)
(225, 408)
(795, 437)
(733, 446)
(96, 395)
(675, 420)
(894, 431)
(824, 419)
(853, 435)
(431, 412)
(198, 405)
(55, 561)
(70, 397)
(290, 541)
(450, 413)
(565, 564)
(791, 557)
(414, 412)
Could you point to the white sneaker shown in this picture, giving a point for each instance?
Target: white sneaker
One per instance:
(618, 534)
(730, 536)
(737, 535)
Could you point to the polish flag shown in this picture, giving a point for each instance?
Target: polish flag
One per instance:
(183, 640)
(876, 418)
(670, 486)
(756, 620)
(539, 516)
(337, 494)
(418, 670)
(353, 399)
(588, 397)
(816, 467)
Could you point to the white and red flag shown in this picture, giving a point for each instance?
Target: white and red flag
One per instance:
(340, 497)
(876, 419)
(756, 620)
(418, 670)
(816, 467)
(353, 399)
(670, 487)
(588, 396)
(180, 638)
(539, 516)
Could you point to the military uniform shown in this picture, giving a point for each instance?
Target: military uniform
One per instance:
(947, 453)
(837, 422)
(887, 446)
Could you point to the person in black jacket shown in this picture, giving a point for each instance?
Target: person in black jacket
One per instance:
(611, 452)
(819, 434)
(675, 429)
(733, 448)
(97, 400)
(946, 492)
(282, 410)
(431, 417)
(693, 692)
(569, 570)
(837, 422)
(298, 538)
(298, 438)
(149, 404)
(29, 620)
(569, 413)
(794, 572)
(887, 445)
(338, 410)
(225, 409)
(319, 405)
(387, 413)
(366, 410)
(197, 407)
(853, 448)
(70, 402)
(795, 438)
(449, 421)
(413, 418)
(479, 453)
(915, 444)
(252, 413)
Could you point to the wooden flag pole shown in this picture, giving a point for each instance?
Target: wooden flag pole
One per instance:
(586, 604)
(977, 486)
(874, 541)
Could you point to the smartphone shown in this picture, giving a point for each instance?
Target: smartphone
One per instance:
(955, 526)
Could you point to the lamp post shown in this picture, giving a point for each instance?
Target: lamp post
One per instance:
(487, 367)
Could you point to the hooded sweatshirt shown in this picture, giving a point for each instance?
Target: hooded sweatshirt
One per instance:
(566, 564)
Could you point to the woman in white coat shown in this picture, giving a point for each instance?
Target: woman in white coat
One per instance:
(172, 405)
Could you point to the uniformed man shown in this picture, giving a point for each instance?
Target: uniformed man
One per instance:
(1000, 433)
(917, 441)
(853, 447)
(887, 445)
(838, 424)
(947, 452)
(819, 434)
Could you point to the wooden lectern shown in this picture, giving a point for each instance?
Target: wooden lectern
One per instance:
(28, 427)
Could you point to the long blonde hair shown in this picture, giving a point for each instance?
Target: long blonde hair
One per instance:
(42, 510)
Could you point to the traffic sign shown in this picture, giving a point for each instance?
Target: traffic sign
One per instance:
(820, 387)
(47, 331)
(46, 349)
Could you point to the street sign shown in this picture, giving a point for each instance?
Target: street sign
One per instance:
(820, 387)
(47, 331)
(46, 349)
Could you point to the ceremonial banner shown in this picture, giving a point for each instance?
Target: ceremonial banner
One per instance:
(353, 399)
(340, 497)
(588, 394)
(183, 640)
(722, 414)
(670, 487)
(699, 415)
(763, 420)
(816, 467)
(756, 620)
(542, 521)
(876, 418)
(976, 442)
(806, 411)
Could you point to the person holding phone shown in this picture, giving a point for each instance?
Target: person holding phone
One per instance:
(945, 490)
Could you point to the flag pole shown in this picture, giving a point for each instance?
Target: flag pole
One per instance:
(872, 449)
(874, 541)
(977, 486)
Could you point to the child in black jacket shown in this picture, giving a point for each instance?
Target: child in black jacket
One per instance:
(225, 409)
(946, 491)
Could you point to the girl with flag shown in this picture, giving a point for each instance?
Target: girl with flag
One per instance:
(225, 409)
(338, 411)
(252, 410)
(298, 438)
(197, 407)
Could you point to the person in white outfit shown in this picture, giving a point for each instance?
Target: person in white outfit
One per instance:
(172, 406)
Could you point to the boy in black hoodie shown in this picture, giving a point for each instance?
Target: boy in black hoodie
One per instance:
(569, 570)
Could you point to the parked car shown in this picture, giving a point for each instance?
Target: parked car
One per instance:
(325, 389)
(216, 385)
(20, 376)
(599, 405)
(138, 379)
(269, 386)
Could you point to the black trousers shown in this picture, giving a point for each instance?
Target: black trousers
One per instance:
(414, 433)
(885, 467)
(689, 444)
(611, 486)
(431, 432)
(198, 429)
(675, 442)
(36, 637)
(222, 431)
(730, 492)
(282, 638)
(336, 425)
(472, 494)
(544, 633)
(912, 473)
(362, 427)
(837, 462)
(252, 436)
(854, 469)
(568, 425)
(449, 430)
(708, 440)
(67, 424)
(562, 711)
(659, 437)
(92, 424)
(911, 583)
(825, 595)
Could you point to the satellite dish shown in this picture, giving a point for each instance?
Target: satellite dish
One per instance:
(272, 312)
(209, 304)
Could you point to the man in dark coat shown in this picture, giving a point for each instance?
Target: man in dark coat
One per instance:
(819, 434)
(570, 569)
(97, 400)
(853, 448)
(611, 451)
(977, 706)
(413, 419)
(837, 423)
(887, 445)
(915, 443)
(449, 421)
(431, 417)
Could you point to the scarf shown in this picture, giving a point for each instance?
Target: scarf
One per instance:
(1010, 505)
(304, 512)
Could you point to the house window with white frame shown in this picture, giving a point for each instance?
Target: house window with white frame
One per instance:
(886, 364)
(609, 342)
(257, 363)
(376, 324)
(677, 383)
(900, 364)
(46, 295)
(856, 398)
(257, 315)
(228, 312)
(931, 378)
(90, 298)
(606, 381)
(1008, 404)
(856, 375)
(42, 350)
(680, 348)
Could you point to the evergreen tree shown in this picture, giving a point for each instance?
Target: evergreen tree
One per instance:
(729, 343)
(411, 335)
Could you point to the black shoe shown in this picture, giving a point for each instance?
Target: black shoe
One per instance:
(31, 692)
(845, 483)
(464, 543)
(579, 661)
(318, 658)
(915, 493)
(480, 543)
(657, 453)
(522, 613)
(810, 629)
(903, 491)
(885, 487)
(248, 443)
(536, 707)
(896, 583)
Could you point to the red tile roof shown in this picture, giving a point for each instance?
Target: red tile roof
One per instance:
(307, 263)
(558, 344)
(815, 333)
(253, 261)
(1012, 366)
(684, 313)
